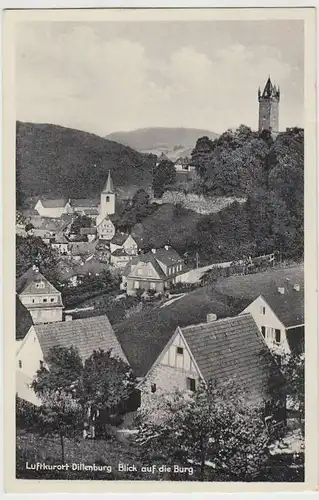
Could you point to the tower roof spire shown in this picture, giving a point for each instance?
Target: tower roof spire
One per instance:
(109, 187)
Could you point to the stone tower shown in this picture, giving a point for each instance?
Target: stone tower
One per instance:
(107, 206)
(269, 107)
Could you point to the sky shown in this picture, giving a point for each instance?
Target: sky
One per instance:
(103, 77)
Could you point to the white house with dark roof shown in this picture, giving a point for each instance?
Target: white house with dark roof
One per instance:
(279, 315)
(230, 348)
(86, 335)
(124, 241)
(105, 229)
(53, 208)
(40, 297)
(155, 270)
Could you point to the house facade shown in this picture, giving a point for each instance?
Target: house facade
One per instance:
(280, 318)
(105, 229)
(220, 350)
(86, 335)
(125, 242)
(155, 271)
(184, 165)
(119, 258)
(40, 297)
(53, 208)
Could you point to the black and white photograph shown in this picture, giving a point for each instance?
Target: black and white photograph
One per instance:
(159, 249)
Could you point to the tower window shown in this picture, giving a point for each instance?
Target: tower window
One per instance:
(107, 198)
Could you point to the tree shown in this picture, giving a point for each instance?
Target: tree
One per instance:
(32, 251)
(79, 222)
(61, 410)
(293, 369)
(135, 210)
(214, 428)
(164, 175)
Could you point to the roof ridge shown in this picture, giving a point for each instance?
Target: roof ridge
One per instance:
(238, 316)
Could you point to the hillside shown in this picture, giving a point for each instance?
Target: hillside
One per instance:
(157, 139)
(58, 161)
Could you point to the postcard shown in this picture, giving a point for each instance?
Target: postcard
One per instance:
(160, 250)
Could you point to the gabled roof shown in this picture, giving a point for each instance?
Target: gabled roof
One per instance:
(120, 252)
(233, 348)
(289, 307)
(87, 335)
(91, 211)
(106, 218)
(23, 320)
(168, 256)
(27, 283)
(162, 157)
(84, 203)
(145, 258)
(120, 238)
(54, 203)
(109, 187)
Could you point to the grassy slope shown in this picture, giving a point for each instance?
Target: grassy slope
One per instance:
(59, 161)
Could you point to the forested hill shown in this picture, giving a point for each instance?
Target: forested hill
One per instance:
(58, 161)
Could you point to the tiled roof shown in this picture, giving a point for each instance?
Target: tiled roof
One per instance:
(167, 257)
(23, 320)
(149, 257)
(289, 307)
(119, 238)
(119, 252)
(87, 335)
(26, 284)
(57, 203)
(91, 211)
(84, 203)
(233, 348)
(88, 230)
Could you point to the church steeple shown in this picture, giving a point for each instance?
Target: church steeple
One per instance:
(109, 187)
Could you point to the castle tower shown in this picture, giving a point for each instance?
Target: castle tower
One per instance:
(269, 107)
(107, 206)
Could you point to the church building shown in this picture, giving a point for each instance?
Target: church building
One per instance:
(269, 107)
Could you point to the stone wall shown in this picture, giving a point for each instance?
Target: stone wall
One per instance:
(198, 203)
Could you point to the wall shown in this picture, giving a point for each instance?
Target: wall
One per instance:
(46, 315)
(171, 372)
(199, 203)
(30, 354)
(270, 321)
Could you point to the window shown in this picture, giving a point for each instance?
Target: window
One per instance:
(45, 300)
(152, 286)
(52, 299)
(149, 272)
(191, 384)
(139, 272)
(33, 301)
(153, 388)
(179, 350)
(136, 284)
(263, 331)
(263, 310)
(277, 336)
(20, 363)
(107, 198)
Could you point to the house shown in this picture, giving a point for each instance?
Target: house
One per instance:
(87, 335)
(106, 229)
(184, 165)
(120, 258)
(155, 270)
(40, 297)
(89, 233)
(217, 350)
(53, 208)
(81, 206)
(279, 315)
(61, 244)
(124, 241)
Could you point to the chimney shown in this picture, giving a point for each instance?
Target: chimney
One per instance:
(211, 317)
(153, 250)
(281, 290)
(68, 317)
(166, 247)
(297, 287)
